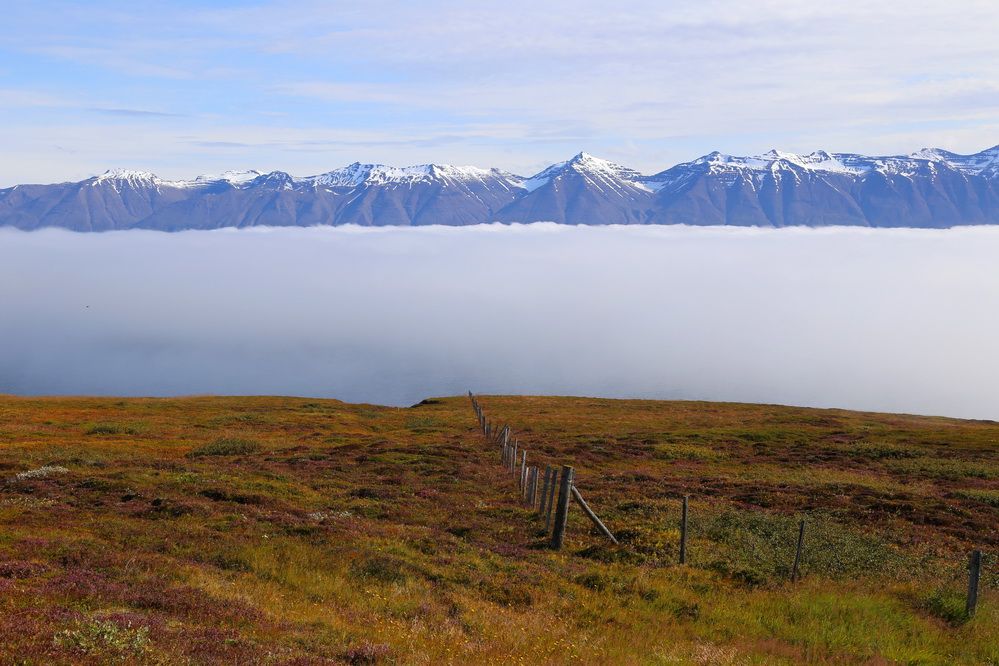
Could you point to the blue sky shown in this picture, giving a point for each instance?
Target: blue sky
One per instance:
(184, 88)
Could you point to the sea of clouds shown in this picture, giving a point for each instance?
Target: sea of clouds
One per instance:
(888, 320)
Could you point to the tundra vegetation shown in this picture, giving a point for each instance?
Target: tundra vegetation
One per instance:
(298, 531)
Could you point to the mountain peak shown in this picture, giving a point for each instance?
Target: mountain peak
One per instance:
(126, 175)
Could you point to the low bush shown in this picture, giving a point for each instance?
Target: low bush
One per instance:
(112, 429)
(226, 446)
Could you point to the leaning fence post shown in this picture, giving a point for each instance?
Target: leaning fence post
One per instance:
(544, 490)
(683, 530)
(974, 573)
(592, 516)
(562, 512)
(797, 551)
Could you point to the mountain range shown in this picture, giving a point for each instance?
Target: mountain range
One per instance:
(931, 188)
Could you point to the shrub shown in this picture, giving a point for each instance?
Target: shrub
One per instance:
(99, 637)
(226, 446)
(366, 653)
(382, 568)
(112, 429)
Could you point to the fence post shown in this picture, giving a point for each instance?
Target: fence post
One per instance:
(550, 504)
(544, 490)
(592, 516)
(562, 512)
(974, 573)
(534, 486)
(683, 530)
(797, 551)
(523, 468)
(513, 458)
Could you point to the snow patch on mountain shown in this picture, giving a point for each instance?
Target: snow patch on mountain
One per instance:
(357, 174)
(231, 177)
(117, 177)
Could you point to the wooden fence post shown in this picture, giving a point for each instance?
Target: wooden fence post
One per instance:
(592, 516)
(523, 468)
(562, 511)
(683, 530)
(513, 458)
(544, 490)
(550, 504)
(797, 551)
(974, 573)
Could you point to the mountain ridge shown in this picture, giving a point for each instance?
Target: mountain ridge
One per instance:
(931, 187)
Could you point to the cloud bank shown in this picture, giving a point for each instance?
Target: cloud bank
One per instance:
(892, 320)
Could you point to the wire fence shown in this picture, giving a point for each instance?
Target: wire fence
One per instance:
(551, 490)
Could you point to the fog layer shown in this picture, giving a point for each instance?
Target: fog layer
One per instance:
(892, 320)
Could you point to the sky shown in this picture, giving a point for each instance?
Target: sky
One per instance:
(874, 319)
(186, 87)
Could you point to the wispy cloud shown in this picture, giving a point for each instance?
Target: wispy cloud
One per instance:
(136, 113)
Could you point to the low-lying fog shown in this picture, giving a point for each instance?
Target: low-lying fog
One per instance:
(894, 320)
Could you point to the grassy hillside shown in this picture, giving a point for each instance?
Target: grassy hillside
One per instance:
(298, 531)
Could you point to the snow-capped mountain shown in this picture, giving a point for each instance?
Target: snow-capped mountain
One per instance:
(928, 188)
(925, 189)
(583, 190)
